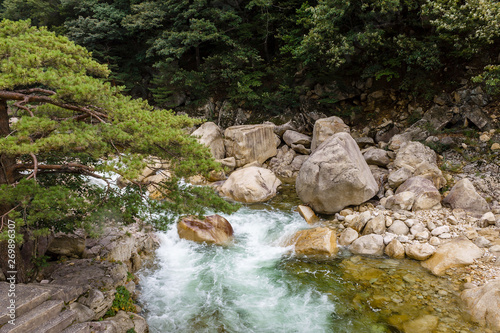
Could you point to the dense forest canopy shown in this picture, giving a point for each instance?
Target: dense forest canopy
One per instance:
(249, 52)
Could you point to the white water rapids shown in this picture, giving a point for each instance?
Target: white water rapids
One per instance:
(200, 288)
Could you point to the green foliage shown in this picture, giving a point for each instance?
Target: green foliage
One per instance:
(79, 126)
(123, 302)
(490, 78)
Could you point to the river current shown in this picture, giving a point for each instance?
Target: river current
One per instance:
(257, 285)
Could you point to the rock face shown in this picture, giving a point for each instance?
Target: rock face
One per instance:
(463, 195)
(325, 128)
(335, 176)
(69, 245)
(458, 252)
(252, 184)
(426, 194)
(315, 242)
(368, 245)
(248, 143)
(483, 304)
(214, 229)
(210, 135)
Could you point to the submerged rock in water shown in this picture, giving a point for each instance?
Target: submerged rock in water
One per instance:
(335, 176)
(315, 242)
(214, 229)
(308, 214)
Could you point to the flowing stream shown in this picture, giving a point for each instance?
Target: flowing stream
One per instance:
(256, 285)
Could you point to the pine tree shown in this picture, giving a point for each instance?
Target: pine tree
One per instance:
(62, 124)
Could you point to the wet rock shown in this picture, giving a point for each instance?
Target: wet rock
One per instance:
(248, 143)
(368, 245)
(252, 184)
(395, 249)
(335, 176)
(325, 128)
(456, 253)
(483, 304)
(348, 236)
(424, 324)
(426, 194)
(420, 251)
(463, 195)
(377, 156)
(214, 229)
(308, 214)
(315, 242)
(210, 135)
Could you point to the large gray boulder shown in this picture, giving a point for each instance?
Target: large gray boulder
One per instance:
(483, 304)
(463, 195)
(325, 128)
(210, 135)
(335, 176)
(249, 143)
(252, 184)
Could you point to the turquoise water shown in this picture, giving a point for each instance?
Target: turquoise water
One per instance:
(256, 285)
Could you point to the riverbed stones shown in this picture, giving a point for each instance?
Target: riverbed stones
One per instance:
(483, 303)
(335, 176)
(398, 227)
(248, 143)
(250, 185)
(308, 214)
(456, 253)
(423, 324)
(420, 251)
(395, 249)
(348, 236)
(463, 195)
(319, 241)
(325, 128)
(368, 245)
(210, 135)
(214, 229)
(427, 195)
(400, 201)
(376, 225)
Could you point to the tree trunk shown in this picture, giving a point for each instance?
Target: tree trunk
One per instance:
(8, 175)
(7, 171)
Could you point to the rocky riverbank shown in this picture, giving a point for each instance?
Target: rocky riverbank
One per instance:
(423, 193)
(91, 287)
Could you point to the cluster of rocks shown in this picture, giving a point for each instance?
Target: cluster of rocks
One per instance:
(334, 169)
(90, 270)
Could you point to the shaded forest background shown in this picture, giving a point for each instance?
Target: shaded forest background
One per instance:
(265, 54)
